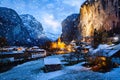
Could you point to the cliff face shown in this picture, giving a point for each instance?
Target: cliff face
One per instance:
(70, 28)
(99, 15)
(32, 26)
(10, 25)
(20, 30)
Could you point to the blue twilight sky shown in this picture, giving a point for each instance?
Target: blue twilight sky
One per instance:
(49, 12)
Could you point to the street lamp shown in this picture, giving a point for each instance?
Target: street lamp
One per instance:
(116, 38)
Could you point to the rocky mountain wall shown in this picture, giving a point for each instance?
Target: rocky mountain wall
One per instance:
(70, 28)
(20, 29)
(100, 15)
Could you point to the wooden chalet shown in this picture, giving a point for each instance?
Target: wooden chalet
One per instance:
(36, 53)
(19, 54)
(52, 64)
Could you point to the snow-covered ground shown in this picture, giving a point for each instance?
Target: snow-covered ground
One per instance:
(32, 71)
(105, 50)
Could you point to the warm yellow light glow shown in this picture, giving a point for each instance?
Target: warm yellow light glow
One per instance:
(58, 45)
(19, 49)
(61, 47)
(103, 58)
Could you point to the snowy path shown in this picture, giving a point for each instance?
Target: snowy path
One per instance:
(31, 71)
(50, 75)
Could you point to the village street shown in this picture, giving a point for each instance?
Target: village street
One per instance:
(32, 71)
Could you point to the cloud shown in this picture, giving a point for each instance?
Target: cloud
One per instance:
(50, 6)
(51, 23)
(49, 12)
(74, 3)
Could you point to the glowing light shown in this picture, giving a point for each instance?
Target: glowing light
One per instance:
(58, 45)
(116, 38)
(103, 58)
(61, 47)
(19, 49)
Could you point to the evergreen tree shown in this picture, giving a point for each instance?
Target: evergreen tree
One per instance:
(97, 38)
(3, 42)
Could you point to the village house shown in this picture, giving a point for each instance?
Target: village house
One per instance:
(19, 53)
(52, 64)
(112, 52)
(36, 53)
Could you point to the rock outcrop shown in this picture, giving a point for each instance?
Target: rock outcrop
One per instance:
(31, 25)
(100, 15)
(34, 30)
(69, 28)
(10, 25)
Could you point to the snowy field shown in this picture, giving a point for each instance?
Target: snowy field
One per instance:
(32, 71)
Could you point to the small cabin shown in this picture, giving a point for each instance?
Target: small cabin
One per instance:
(12, 56)
(52, 64)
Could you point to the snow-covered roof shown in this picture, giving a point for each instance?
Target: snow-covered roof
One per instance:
(112, 52)
(13, 47)
(38, 50)
(35, 47)
(107, 50)
(87, 47)
(77, 47)
(50, 61)
(12, 52)
(15, 52)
